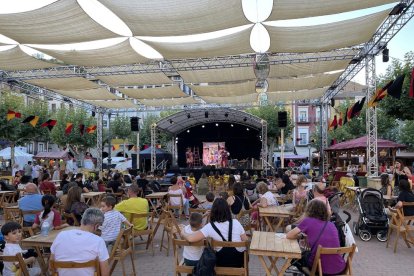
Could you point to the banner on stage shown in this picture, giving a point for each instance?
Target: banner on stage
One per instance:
(211, 153)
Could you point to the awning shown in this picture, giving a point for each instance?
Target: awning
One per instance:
(52, 155)
(361, 143)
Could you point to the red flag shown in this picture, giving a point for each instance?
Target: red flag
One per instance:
(68, 128)
(334, 123)
(49, 124)
(411, 94)
(91, 129)
(12, 114)
(349, 113)
(340, 120)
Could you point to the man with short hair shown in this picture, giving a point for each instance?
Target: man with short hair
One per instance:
(28, 169)
(135, 205)
(32, 201)
(82, 245)
(79, 181)
(36, 169)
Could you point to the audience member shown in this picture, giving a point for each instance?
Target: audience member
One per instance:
(202, 185)
(82, 245)
(32, 201)
(175, 189)
(224, 195)
(79, 181)
(63, 184)
(142, 182)
(115, 183)
(238, 201)
(27, 169)
(209, 201)
(134, 205)
(49, 214)
(192, 254)
(318, 193)
(386, 187)
(266, 198)
(406, 195)
(47, 185)
(74, 205)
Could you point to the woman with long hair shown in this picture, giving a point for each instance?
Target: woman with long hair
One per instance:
(73, 203)
(49, 214)
(400, 173)
(219, 227)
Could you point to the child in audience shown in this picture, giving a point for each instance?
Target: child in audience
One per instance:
(209, 201)
(224, 195)
(192, 254)
(12, 232)
(49, 214)
(112, 221)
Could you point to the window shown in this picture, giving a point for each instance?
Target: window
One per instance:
(318, 114)
(303, 138)
(53, 107)
(303, 114)
(40, 147)
(105, 123)
(30, 148)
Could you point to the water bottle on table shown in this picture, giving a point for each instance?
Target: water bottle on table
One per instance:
(44, 230)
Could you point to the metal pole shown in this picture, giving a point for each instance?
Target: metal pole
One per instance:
(320, 142)
(138, 148)
(282, 148)
(99, 141)
(109, 141)
(371, 118)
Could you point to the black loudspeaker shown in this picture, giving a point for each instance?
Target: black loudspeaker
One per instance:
(385, 55)
(282, 119)
(332, 102)
(134, 124)
(134, 160)
(93, 113)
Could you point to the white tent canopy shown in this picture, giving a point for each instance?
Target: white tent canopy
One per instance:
(20, 157)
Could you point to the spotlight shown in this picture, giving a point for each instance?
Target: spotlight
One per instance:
(226, 114)
(217, 124)
(385, 55)
(176, 138)
(188, 131)
(171, 121)
(247, 129)
(232, 125)
(93, 113)
(206, 114)
(188, 115)
(398, 9)
(245, 119)
(203, 126)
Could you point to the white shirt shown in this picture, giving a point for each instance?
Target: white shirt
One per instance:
(36, 171)
(11, 249)
(111, 225)
(175, 201)
(270, 198)
(223, 227)
(78, 246)
(192, 253)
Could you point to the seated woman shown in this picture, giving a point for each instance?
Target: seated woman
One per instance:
(319, 231)
(238, 200)
(175, 189)
(386, 187)
(73, 204)
(49, 214)
(222, 228)
(47, 185)
(16, 179)
(266, 198)
(299, 192)
(406, 195)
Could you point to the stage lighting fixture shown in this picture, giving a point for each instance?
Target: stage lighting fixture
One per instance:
(188, 115)
(188, 131)
(203, 126)
(216, 124)
(398, 9)
(226, 114)
(206, 114)
(245, 119)
(385, 55)
(247, 129)
(176, 138)
(232, 125)
(171, 121)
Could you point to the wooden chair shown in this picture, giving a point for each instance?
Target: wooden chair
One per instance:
(204, 212)
(70, 217)
(233, 270)
(401, 224)
(317, 264)
(121, 249)
(288, 197)
(12, 212)
(251, 225)
(7, 198)
(180, 267)
(175, 208)
(171, 230)
(149, 232)
(55, 265)
(17, 259)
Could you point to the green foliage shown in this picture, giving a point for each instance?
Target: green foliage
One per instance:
(77, 117)
(406, 135)
(399, 108)
(121, 127)
(145, 131)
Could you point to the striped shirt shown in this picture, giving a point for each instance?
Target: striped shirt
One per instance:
(111, 225)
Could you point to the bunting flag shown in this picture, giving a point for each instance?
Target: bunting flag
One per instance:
(334, 123)
(81, 129)
(49, 124)
(130, 147)
(357, 108)
(31, 120)
(395, 88)
(340, 119)
(345, 117)
(115, 147)
(91, 129)
(411, 94)
(379, 95)
(68, 128)
(12, 114)
(349, 113)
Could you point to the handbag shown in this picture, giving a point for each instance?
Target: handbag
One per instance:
(207, 262)
(306, 254)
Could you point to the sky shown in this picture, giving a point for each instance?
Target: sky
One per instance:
(254, 10)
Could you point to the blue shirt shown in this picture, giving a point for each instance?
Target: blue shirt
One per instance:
(30, 202)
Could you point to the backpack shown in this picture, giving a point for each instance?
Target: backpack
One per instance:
(206, 264)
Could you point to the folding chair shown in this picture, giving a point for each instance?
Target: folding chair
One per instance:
(233, 270)
(180, 267)
(17, 259)
(401, 224)
(317, 263)
(176, 208)
(121, 249)
(55, 265)
(249, 226)
(149, 231)
(70, 217)
(171, 229)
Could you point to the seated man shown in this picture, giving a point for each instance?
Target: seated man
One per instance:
(318, 193)
(32, 201)
(135, 205)
(82, 245)
(46, 184)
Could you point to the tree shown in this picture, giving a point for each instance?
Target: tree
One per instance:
(270, 114)
(145, 131)
(120, 127)
(14, 131)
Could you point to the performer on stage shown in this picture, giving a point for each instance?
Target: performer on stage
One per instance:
(189, 158)
(224, 157)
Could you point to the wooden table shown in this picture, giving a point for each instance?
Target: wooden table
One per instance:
(159, 198)
(93, 198)
(268, 244)
(38, 241)
(389, 198)
(274, 212)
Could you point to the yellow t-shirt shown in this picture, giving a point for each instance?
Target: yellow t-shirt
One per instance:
(136, 205)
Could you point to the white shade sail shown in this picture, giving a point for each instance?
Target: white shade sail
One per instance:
(302, 83)
(245, 99)
(169, 102)
(136, 79)
(169, 18)
(292, 9)
(16, 59)
(232, 44)
(119, 104)
(300, 69)
(325, 37)
(153, 93)
(285, 96)
(61, 22)
(118, 54)
(218, 75)
(224, 90)
(88, 94)
(64, 83)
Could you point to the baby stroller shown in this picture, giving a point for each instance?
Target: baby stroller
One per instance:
(372, 217)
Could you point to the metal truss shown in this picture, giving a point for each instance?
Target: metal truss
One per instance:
(391, 26)
(99, 144)
(173, 150)
(153, 145)
(264, 152)
(371, 120)
(324, 137)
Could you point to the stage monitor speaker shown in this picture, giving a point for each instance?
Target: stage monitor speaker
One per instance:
(134, 123)
(134, 160)
(282, 119)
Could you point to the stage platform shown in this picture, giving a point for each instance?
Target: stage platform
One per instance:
(207, 169)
